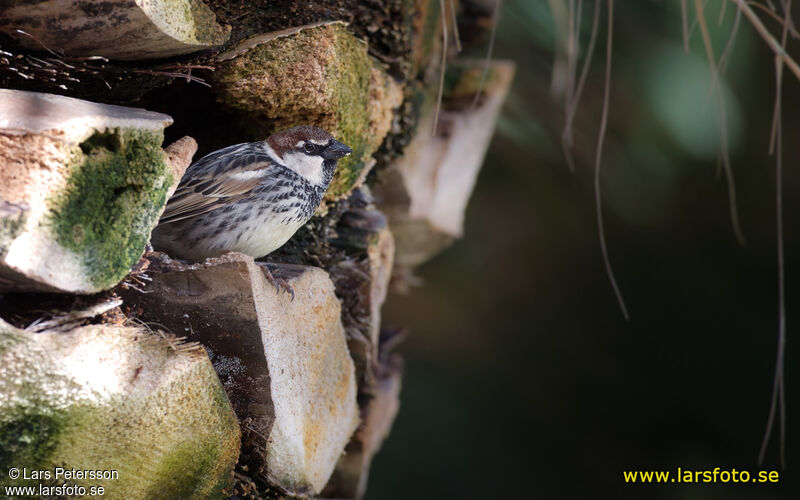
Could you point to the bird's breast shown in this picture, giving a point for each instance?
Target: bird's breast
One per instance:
(263, 229)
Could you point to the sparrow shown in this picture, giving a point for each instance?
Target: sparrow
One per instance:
(249, 198)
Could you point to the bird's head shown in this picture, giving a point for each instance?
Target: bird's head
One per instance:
(309, 151)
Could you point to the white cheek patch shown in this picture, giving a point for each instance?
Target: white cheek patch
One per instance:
(307, 166)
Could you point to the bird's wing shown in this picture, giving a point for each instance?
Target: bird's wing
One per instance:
(220, 178)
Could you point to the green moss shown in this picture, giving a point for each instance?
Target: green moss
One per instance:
(352, 110)
(266, 80)
(49, 420)
(197, 467)
(267, 85)
(205, 24)
(27, 440)
(184, 473)
(37, 440)
(10, 229)
(117, 187)
(31, 435)
(220, 400)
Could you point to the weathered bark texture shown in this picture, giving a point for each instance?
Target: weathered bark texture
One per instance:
(283, 361)
(352, 472)
(425, 191)
(116, 29)
(307, 387)
(118, 399)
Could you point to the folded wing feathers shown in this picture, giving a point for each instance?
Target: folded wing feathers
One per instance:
(218, 179)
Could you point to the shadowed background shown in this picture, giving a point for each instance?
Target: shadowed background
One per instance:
(522, 378)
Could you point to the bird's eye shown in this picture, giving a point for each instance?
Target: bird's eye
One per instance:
(309, 147)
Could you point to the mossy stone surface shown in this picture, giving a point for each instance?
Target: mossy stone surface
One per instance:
(320, 76)
(116, 189)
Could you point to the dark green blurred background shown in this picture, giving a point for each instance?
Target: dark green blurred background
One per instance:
(522, 378)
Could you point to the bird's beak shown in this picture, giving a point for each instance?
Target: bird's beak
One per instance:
(336, 150)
